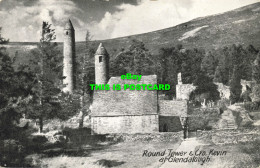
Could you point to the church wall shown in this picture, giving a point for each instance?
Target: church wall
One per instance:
(169, 124)
(125, 124)
(173, 108)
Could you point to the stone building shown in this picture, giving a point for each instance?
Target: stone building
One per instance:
(224, 91)
(121, 111)
(247, 84)
(183, 91)
(125, 111)
(101, 65)
(131, 111)
(172, 115)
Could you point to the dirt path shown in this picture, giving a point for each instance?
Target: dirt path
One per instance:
(186, 146)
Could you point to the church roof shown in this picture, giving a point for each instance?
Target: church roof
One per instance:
(125, 102)
(68, 25)
(101, 50)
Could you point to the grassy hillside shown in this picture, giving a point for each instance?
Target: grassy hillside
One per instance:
(240, 26)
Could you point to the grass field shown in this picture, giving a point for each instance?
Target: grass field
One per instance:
(120, 155)
(89, 152)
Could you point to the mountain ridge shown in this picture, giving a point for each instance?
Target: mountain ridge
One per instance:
(238, 26)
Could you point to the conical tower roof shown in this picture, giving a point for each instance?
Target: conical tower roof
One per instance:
(69, 25)
(101, 50)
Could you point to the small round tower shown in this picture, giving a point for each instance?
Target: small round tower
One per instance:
(101, 65)
(69, 57)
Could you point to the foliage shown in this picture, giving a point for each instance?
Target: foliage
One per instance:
(168, 67)
(252, 148)
(256, 93)
(15, 90)
(256, 69)
(235, 86)
(85, 77)
(135, 60)
(209, 64)
(47, 66)
(218, 76)
(245, 96)
(85, 69)
(202, 118)
(231, 56)
(204, 84)
(3, 40)
(12, 153)
(67, 105)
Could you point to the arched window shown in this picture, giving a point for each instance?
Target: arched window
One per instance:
(67, 33)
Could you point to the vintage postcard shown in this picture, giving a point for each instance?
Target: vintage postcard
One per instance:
(130, 83)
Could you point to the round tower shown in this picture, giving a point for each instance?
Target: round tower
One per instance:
(101, 65)
(69, 57)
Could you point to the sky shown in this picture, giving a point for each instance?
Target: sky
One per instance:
(21, 20)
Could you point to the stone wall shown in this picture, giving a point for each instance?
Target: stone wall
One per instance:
(170, 114)
(73, 122)
(245, 83)
(224, 91)
(125, 124)
(183, 91)
(242, 117)
(154, 137)
(229, 136)
(203, 118)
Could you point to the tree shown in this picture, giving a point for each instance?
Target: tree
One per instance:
(47, 66)
(86, 77)
(235, 86)
(191, 64)
(218, 75)
(204, 85)
(135, 60)
(256, 78)
(222, 72)
(7, 95)
(169, 65)
(3, 40)
(209, 64)
(15, 94)
(256, 69)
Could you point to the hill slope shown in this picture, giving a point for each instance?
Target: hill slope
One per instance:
(240, 26)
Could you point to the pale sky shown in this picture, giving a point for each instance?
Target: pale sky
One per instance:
(21, 19)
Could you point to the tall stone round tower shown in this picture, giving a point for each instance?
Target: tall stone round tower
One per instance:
(69, 57)
(101, 65)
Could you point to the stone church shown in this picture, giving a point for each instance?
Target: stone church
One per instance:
(123, 111)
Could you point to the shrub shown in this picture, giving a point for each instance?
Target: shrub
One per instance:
(12, 153)
(252, 148)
